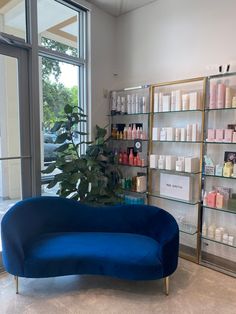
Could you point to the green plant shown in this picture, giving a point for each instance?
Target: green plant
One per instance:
(91, 178)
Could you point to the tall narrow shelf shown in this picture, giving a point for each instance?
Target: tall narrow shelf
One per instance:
(216, 252)
(174, 105)
(130, 107)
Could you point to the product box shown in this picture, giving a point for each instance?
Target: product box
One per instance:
(209, 170)
(219, 170)
(161, 163)
(176, 186)
(170, 162)
(170, 134)
(156, 102)
(179, 165)
(228, 136)
(219, 135)
(211, 134)
(163, 134)
(166, 103)
(153, 161)
(191, 164)
(156, 134)
(193, 101)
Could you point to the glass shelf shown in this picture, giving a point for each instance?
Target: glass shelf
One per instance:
(213, 240)
(214, 176)
(189, 142)
(131, 191)
(131, 166)
(189, 229)
(128, 114)
(219, 109)
(226, 210)
(177, 111)
(175, 172)
(158, 195)
(222, 143)
(116, 139)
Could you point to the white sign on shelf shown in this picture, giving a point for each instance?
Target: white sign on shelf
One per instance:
(176, 186)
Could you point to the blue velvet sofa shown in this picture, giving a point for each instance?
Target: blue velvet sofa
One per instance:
(52, 236)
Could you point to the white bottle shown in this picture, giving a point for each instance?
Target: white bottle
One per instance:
(204, 229)
(189, 132)
(144, 105)
(129, 104)
(205, 199)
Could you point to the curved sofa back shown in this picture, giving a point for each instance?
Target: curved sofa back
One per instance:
(54, 214)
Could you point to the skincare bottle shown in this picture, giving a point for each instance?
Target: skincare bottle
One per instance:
(129, 104)
(131, 157)
(234, 102)
(113, 105)
(204, 229)
(219, 200)
(129, 133)
(211, 231)
(212, 104)
(125, 158)
(189, 132)
(125, 133)
(134, 132)
(220, 96)
(144, 105)
(228, 97)
(205, 199)
(118, 105)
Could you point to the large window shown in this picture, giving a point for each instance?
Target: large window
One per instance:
(62, 64)
(43, 39)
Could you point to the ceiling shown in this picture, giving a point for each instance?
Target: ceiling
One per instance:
(119, 7)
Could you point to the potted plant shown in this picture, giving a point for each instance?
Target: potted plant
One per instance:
(92, 177)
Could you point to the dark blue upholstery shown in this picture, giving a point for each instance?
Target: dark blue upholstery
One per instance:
(52, 236)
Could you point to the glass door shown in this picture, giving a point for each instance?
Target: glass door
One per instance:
(15, 156)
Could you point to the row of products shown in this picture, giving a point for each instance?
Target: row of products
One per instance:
(135, 184)
(191, 133)
(221, 135)
(221, 96)
(227, 170)
(129, 158)
(134, 200)
(130, 132)
(220, 197)
(129, 104)
(219, 234)
(177, 101)
(178, 163)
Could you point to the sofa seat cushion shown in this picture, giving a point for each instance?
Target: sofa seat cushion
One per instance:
(123, 255)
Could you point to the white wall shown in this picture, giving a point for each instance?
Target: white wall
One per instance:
(103, 27)
(174, 39)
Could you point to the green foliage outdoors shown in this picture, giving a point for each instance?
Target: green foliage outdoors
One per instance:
(55, 94)
(91, 178)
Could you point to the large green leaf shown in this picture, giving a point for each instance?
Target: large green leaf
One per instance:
(68, 109)
(56, 126)
(50, 168)
(61, 138)
(62, 148)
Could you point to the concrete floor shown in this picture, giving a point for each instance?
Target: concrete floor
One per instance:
(193, 289)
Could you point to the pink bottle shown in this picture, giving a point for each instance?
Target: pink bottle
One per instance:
(139, 162)
(221, 96)
(134, 132)
(138, 133)
(212, 103)
(129, 133)
(131, 157)
(125, 158)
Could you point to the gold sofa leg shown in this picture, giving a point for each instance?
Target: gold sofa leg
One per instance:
(166, 285)
(17, 284)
